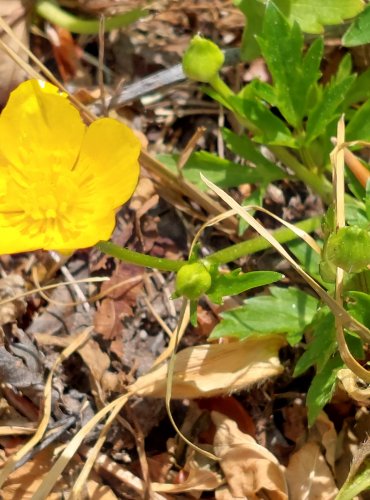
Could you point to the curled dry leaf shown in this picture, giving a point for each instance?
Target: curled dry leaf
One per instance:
(309, 476)
(215, 369)
(250, 469)
(354, 386)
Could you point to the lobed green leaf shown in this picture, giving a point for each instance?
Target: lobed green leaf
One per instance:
(286, 310)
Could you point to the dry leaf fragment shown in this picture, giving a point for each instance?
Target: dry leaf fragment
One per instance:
(23, 482)
(215, 369)
(308, 475)
(323, 433)
(11, 286)
(250, 469)
(14, 13)
(198, 480)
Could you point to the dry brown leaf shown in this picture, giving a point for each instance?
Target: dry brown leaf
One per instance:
(14, 13)
(198, 480)
(23, 482)
(308, 475)
(323, 432)
(215, 369)
(11, 286)
(95, 359)
(250, 469)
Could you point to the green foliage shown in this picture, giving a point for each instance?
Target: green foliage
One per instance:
(311, 16)
(327, 107)
(355, 484)
(235, 282)
(286, 310)
(293, 73)
(358, 126)
(254, 11)
(223, 172)
(349, 248)
(322, 344)
(244, 147)
(295, 117)
(324, 382)
(359, 31)
(322, 387)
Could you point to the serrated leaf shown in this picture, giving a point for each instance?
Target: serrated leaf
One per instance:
(286, 310)
(273, 131)
(236, 282)
(244, 147)
(292, 73)
(322, 387)
(222, 172)
(313, 15)
(326, 110)
(359, 31)
(322, 345)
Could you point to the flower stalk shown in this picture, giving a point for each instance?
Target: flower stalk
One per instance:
(229, 254)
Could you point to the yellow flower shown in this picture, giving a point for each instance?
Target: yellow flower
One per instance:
(60, 181)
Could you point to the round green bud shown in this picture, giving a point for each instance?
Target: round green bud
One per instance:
(192, 280)
(349, 248)
(202, 60)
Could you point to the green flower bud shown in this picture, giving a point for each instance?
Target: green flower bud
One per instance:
(349, 248)
(202, 60)
(192, 280)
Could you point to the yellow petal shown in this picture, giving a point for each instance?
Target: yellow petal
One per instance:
(107, 168)
(39, 129)
(13, 240)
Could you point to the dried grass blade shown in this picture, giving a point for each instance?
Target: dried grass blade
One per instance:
(337, 158)
(62, 462)
(338, 311)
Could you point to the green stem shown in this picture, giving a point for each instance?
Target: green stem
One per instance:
(140, 259)
(229, 254)
(52, 12)
(282, 235)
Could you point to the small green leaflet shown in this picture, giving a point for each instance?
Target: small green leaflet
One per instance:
(222, 172)
(293, 73)
(322, 388)
(326, 110)
(313, 15)
(359, 31)
(244, 147)
(286, 310)
(236, 282)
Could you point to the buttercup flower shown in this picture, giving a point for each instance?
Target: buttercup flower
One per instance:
(60, 181)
